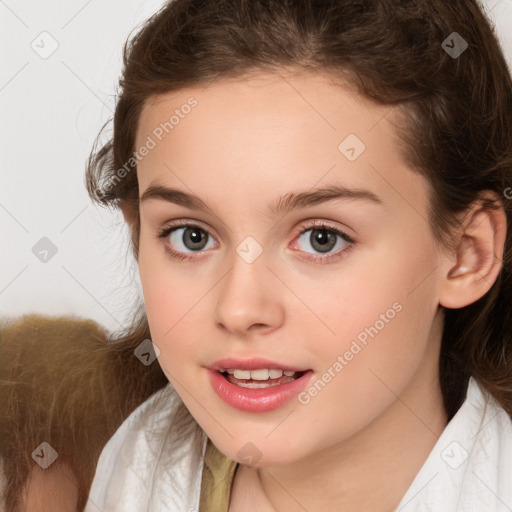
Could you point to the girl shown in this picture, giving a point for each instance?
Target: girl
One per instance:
(318, 195)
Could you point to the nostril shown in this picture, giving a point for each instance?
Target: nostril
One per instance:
(259, 326)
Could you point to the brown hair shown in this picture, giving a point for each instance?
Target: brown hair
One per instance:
(456, 130)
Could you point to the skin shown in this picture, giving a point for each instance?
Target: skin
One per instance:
(54, 488)
(247, 142)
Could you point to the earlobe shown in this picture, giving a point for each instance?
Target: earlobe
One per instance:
(479, 254)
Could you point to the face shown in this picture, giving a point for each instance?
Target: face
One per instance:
(313, 252)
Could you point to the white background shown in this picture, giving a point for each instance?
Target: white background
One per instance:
(52, 109)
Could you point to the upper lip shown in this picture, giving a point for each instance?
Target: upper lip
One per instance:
(254, 363)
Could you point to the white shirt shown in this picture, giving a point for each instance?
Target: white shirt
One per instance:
(144, 468)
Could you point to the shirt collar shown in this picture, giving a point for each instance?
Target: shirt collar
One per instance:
(470, 467)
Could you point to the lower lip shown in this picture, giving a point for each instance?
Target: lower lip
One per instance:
(257, 400)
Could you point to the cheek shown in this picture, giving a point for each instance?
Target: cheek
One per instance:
(169, 292)
(360, 298)
(170, 303)
(382, 318)
(384, 300)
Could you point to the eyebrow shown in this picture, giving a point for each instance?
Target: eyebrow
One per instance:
(284, 204)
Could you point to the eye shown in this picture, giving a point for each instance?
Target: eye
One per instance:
(182, 240)
(324, 239)
(186, 238)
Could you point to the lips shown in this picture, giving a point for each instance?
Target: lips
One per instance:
(261, 396)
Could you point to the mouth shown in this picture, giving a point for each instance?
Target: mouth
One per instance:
(257, 385)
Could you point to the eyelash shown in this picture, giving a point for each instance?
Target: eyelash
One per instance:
(165, 232)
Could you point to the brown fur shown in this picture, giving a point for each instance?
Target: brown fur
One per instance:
(64, 382)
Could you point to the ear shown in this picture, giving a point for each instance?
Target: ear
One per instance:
(477, 257)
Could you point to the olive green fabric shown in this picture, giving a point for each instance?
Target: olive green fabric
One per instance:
(216, 481)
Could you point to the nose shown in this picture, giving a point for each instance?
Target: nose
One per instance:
(249, 299)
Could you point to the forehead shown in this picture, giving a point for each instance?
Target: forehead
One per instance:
(273, 132)
(278, 98)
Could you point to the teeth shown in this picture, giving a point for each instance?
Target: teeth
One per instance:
(260, 374)
(242, 374)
